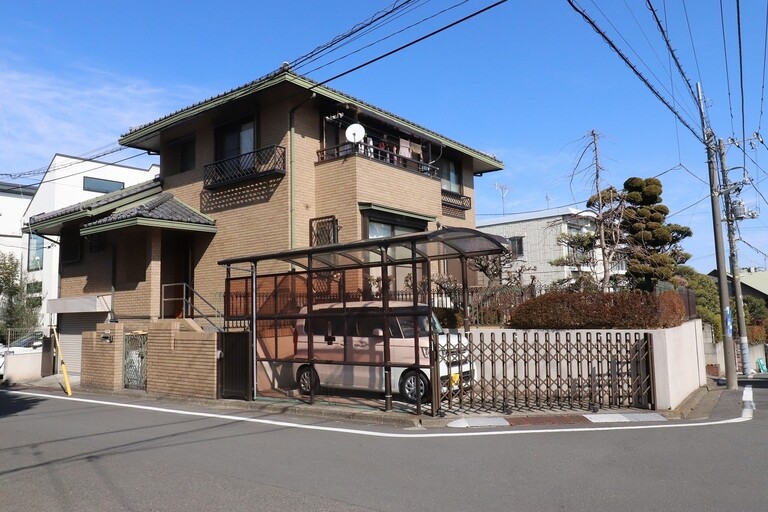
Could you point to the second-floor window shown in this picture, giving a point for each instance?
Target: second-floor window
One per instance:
(235, 139)
(450, 175)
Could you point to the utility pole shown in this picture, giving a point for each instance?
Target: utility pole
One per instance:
(600, 218)
(722, 277)
(746, 365)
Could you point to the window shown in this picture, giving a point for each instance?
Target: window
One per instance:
(187, 154)
(34, 287)
(35, 253)
(323, 231)
(516, 243)
(69, 251)
(450, 175)
(99, 185)
(235, 139)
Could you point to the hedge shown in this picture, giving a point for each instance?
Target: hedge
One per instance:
(595, 310)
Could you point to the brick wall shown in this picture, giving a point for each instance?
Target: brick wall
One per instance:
(181, 363)
(101, 363)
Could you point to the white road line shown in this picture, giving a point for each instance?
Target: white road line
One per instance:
(505, 432)
(749, 405)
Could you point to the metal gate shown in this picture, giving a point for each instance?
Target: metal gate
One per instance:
(235, 368)
(517, 370)
(135, 362)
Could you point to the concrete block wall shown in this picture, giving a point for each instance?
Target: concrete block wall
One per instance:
(102, 362)
(181, 363)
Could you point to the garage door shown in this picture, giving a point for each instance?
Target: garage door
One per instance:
(71, 328)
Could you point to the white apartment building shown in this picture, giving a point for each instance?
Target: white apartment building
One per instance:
(14, 200)
(68, 181)
(533, 237)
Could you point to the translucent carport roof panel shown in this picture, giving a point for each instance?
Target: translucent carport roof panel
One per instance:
(440, 244)
(346, 258)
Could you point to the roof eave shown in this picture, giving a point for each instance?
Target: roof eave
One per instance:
(139, 137)
(154, 223)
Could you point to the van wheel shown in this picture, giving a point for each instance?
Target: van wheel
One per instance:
(307, 380)
(413, 383)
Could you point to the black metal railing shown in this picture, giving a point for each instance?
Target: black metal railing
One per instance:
(377, 153)
(260, 164)
(456, 200)
(178, 300)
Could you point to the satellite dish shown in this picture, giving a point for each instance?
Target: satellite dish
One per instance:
(355, 133)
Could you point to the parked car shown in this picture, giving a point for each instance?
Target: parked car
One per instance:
(30, 343)
(354, 333)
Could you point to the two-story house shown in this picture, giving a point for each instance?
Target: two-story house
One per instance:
(280, 163)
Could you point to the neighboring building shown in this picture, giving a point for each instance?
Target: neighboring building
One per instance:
(754, 282)
(533, 237)
(68, 181)
(14, 199)
(279, 163)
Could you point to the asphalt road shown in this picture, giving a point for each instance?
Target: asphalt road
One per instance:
(59, 454)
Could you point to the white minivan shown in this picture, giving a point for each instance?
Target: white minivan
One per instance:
(354, 333)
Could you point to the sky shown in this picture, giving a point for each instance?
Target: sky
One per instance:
(526, 81)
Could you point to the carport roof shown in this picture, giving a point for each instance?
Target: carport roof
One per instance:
(444, 243)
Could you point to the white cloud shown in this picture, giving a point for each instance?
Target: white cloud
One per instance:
(42, 114)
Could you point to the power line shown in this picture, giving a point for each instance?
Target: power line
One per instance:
(727, 71)
(378, 16)
(693, 45)
(636, 53)
(408, 45)
(645, 81)
(454, 6)
(741, 84)
(670, 49)
(762, 85)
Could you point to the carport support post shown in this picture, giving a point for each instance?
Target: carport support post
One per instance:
(465, 291)
(253, 329)
(385, 307)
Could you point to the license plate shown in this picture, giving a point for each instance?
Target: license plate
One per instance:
(455, 379)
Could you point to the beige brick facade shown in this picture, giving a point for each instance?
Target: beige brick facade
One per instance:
(181, 363)
(102, 358)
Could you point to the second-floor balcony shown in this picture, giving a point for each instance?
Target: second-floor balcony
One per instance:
(261, 164)
(456, 200)
(383, 154)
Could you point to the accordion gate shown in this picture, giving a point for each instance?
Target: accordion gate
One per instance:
(552, 369)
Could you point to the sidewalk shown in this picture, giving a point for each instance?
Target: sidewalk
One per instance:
(698, 406)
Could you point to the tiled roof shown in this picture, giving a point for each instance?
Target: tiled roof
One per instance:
(162, 207)
(96, 202)
(301, 81)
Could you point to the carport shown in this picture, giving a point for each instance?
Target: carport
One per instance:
(263, 304)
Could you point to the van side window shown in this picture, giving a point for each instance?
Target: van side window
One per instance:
(367, 325)
(327, 326)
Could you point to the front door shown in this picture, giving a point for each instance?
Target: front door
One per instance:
(177, 269)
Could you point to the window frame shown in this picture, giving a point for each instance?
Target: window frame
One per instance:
(37, 254)
(90, 185)
(450, 175)
(515, 243)
(235, 131)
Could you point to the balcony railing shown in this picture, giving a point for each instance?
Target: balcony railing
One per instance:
(375, 152)
(456, 200)
(260, 164)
